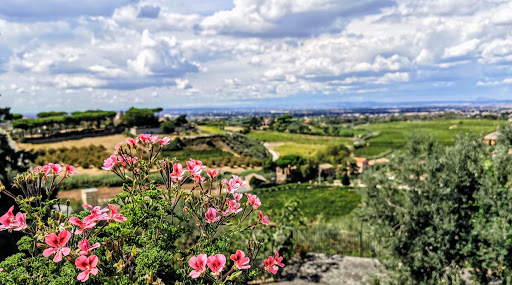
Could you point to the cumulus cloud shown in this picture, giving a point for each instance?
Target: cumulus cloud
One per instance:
(120, 51)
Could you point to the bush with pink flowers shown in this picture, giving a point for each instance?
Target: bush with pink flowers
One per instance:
(144, 235)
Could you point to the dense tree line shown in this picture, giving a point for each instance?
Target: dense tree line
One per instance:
(439, 210)
(48, 124)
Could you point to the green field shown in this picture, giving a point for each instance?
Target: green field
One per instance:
(211, 129)
(304, 150)
(394, 135)
(330, 202)
(273, 136)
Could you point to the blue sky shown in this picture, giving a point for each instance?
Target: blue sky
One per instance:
(89, 54)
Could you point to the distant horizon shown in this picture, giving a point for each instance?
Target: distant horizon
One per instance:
(479, 103)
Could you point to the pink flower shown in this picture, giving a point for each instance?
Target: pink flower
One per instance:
(97, 214)
(70, 170)
(114, 215)
(212, 173)
(278, 259)
(165, 141)
(233, 184)
(270, 265)
(109, 163)
(234, 206)
(20, 223)
(241, 262)
(178, 172)
(195, 166)
(154, 139)
(7, 219)
(118, 146)
(210, 216)
(199, 265)
(237, 196)
(55, 168)
(132, 142)
(87, 224)
(198, 179)
(86, 247)
(145, 138)
(88, 265)
(264, 220)
(1, 270)
(216, 263)
(57, 244)
(253, 200)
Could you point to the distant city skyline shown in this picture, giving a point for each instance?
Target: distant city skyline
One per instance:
(96, 54)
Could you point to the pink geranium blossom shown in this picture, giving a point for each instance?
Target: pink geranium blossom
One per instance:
(132, 142)
(241, 262)
(234, 206)
(165, 141)
(198, 179)
(237, 196)
(211, 216)
(199, 265)
(86, 247)
(70, 169)
(253, 200)
(263, 219)
(212, 173)
(97, 214)
(57, 244)
(233, 184)
(86, 224)
(195, 166)
(144, 138)
(178, 172)
(7, 219)
(216, 263)
(55, 168)
(109, 163)
(114, 215)
(20, 222)
(270, 265)
(88, 265)
(278, 259)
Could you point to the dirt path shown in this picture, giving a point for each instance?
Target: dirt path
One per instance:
(271, 148)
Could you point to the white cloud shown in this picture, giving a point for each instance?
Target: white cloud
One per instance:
(182, 84)
(461, 49)
(393, 77)
(77, 81)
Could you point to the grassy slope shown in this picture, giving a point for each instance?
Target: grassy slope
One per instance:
(211, 129)
(329, 201)
(305, 150)
(394, 135)
(304, 145)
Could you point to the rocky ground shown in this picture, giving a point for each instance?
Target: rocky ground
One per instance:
(331, 269)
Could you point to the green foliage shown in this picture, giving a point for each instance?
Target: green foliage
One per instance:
(141, 117)
(393, 135)
(51, 114)
(165, 226)
(245, 145)
(167, 127)
(438, 209)
(330, 202)
(85, 156)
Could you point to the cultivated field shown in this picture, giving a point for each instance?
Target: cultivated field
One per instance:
(331, 202)
(393, 135)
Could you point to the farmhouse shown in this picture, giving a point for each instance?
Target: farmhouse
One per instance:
(490, 139)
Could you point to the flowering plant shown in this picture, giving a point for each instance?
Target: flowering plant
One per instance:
(142, 236)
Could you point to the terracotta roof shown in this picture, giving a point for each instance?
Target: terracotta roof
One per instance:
(492, 136)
